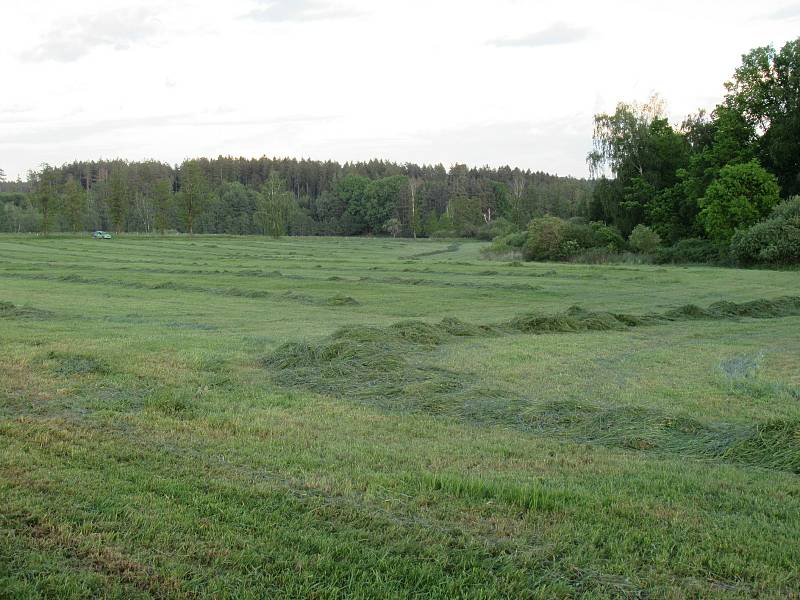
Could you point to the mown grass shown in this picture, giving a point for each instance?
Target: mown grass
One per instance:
(242, 417)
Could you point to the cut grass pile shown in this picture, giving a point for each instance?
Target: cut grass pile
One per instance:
(391, 367)
(11, 311)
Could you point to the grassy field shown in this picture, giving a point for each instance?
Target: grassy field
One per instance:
(368, 418)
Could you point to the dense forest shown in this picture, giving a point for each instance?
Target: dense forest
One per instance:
(284, 196)
(717, 186)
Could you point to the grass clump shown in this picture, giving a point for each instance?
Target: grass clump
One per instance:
(168, 402)
(68, 364)
(11, 311)
(574, 319)
(772, 445)
(340, 300)
(386, 366)
(525, 497)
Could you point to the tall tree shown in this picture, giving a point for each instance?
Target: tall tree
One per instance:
(275, 206)
(765, 91)
(194, 193)
(643, 152)
(74, 203)
(46, 195)
(119, 193)
(742, 195)
(162, 199)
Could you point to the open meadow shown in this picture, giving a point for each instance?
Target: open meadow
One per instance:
(246, 417)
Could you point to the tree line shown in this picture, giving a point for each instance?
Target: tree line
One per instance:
(716, 186)
(717, 174)
(285, 196)
(721, 186)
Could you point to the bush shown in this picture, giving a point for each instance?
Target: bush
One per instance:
(607, 236)
(506, 245)
(546, 235)
(580, 233)
(742, 195)
(644, 240)
(787, 209)
(551, 238)
(690, 250)
(605, 255)
(774, 241)
(444, 233)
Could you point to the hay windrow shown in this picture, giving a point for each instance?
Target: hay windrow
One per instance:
(773, 445)
(393, 368)
(12, 311)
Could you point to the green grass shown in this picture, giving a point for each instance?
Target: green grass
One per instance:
(373, 418)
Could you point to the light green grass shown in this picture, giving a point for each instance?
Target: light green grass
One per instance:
(158, 438)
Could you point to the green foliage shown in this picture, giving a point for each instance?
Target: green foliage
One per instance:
(118, 198)
(644, 239)
(466, 215)
(605, 236)
(74, 203)
(788, 209)
(546, 239)
(643, 152)
(741, 196)
(45, 194)
(275, 206)
(162, 201)
(774, 241)
(509, 244)
(194, 194)
(383, 198)
(765, 93)
(551, 238)
(689, 251)
(393, 227)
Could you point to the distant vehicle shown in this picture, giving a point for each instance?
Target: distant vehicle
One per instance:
(101, 235)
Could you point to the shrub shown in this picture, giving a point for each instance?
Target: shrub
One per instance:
(607, 236)
(501, 227)
(775, 241)
(511, 243)
(545, 238)
(444, 233)
(690, 250)
(644, 240)
(787, 209)
(605, 255)
(580, 233)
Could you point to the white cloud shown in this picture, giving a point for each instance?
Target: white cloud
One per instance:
(558, 33)
(114, 29)
(408, 81)
(790, 12)
(298, 10)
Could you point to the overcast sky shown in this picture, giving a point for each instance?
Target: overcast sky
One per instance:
(502, 82)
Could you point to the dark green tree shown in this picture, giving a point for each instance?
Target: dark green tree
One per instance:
(45, 193)
(765, 92)
(119, 194)
(74, 203)
(643, 153)
(162, 200)
(742, 195)
(194, 193)
(275, 206)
